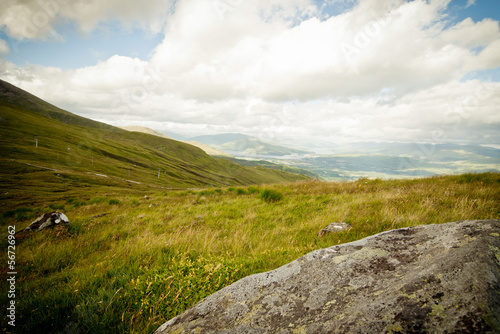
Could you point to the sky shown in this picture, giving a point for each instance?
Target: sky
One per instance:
(306, 73)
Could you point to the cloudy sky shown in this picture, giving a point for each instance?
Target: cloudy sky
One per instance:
(301, 72)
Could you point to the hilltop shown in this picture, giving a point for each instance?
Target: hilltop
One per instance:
(46, 147)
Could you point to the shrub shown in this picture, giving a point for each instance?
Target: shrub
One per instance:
(206, 193)
(271, 196)
(253, 190)
(75, 202)
(97, 200)
(241, 191)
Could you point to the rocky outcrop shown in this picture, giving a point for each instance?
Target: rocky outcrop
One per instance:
(48, 220)
(425, 279)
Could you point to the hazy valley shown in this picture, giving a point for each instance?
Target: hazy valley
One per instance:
(356, 160)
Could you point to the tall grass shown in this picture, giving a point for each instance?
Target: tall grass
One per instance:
(150, 258)
(271, 195)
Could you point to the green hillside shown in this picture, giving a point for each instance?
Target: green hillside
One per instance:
(75, 151)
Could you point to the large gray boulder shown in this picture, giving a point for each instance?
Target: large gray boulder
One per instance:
(425, 279)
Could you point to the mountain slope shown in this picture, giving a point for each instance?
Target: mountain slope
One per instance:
(219, 139)
(10, 94)
(62, 149)
(254, 146)
(208, 149)
(240, 144)
(144, 129)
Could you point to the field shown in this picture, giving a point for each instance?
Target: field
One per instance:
(131, 260)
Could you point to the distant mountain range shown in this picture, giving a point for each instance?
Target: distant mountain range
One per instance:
(244, 145)
(399, 160)
(362, 159)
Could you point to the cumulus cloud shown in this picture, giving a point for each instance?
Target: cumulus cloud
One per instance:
(116, 73)
(286, 71)
(30, 19)
(397, 44)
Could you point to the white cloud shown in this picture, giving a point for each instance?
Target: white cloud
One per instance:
(116, 73)
(383, 70)
(397, 44)
(490, 56)
(27, 19)
(36, 19)
(470, 3)
(470, 34)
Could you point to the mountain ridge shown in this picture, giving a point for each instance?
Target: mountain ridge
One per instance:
(10, 94)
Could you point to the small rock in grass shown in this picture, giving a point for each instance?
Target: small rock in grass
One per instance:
(334, 228)
(48, 220)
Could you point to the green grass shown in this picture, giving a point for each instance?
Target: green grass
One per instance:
(156, 253)
(271, 195)
(113, 201)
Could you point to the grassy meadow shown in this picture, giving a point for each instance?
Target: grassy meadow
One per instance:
(132, 260)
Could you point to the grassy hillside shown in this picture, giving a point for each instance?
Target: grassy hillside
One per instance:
(128, 262)
(76, 152)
